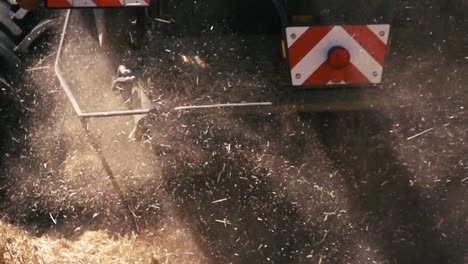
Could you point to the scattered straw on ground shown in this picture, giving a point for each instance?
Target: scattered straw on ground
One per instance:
(17, 246)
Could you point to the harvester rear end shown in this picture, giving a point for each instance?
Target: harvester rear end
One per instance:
(331, 51)
(332, 54)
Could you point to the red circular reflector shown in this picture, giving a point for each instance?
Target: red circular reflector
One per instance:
(338, 57)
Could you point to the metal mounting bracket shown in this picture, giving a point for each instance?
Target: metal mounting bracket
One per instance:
(133, 112)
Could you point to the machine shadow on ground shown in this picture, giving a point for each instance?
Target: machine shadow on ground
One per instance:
(385, 204)
(250, 227)
(231, 205)
(238, 212)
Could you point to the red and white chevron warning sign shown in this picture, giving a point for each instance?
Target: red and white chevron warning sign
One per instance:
(96, 3)
(330, 55)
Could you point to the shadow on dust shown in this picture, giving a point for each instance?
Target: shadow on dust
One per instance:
(229, 203)
(237, 217)
(397, 218)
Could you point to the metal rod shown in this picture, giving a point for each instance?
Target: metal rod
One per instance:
(69, 93)
(81, 114)
(189, 107)
(58, 72)
(111, 176)
(178, 108)
(116, 113)
(91, 139)
(94, 143)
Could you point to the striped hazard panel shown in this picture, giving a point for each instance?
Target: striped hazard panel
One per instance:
(331, 55)
(95, 3)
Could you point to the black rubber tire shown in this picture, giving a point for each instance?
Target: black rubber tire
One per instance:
(10, 26)
(5, 8)
(9, 60)
(6, 41)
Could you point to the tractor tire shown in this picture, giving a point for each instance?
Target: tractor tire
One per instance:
(5, 9)
(6, 41)
(18, 31)
(8, 59)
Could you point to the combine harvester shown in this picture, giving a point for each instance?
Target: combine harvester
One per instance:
(333, 49)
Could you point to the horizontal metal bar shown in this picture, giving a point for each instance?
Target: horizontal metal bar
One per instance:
(190, 107)
(116, 113)
(69, 93)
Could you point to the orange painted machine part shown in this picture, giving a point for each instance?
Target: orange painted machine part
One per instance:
(108, 3)
(58, 4)
(28, 4)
